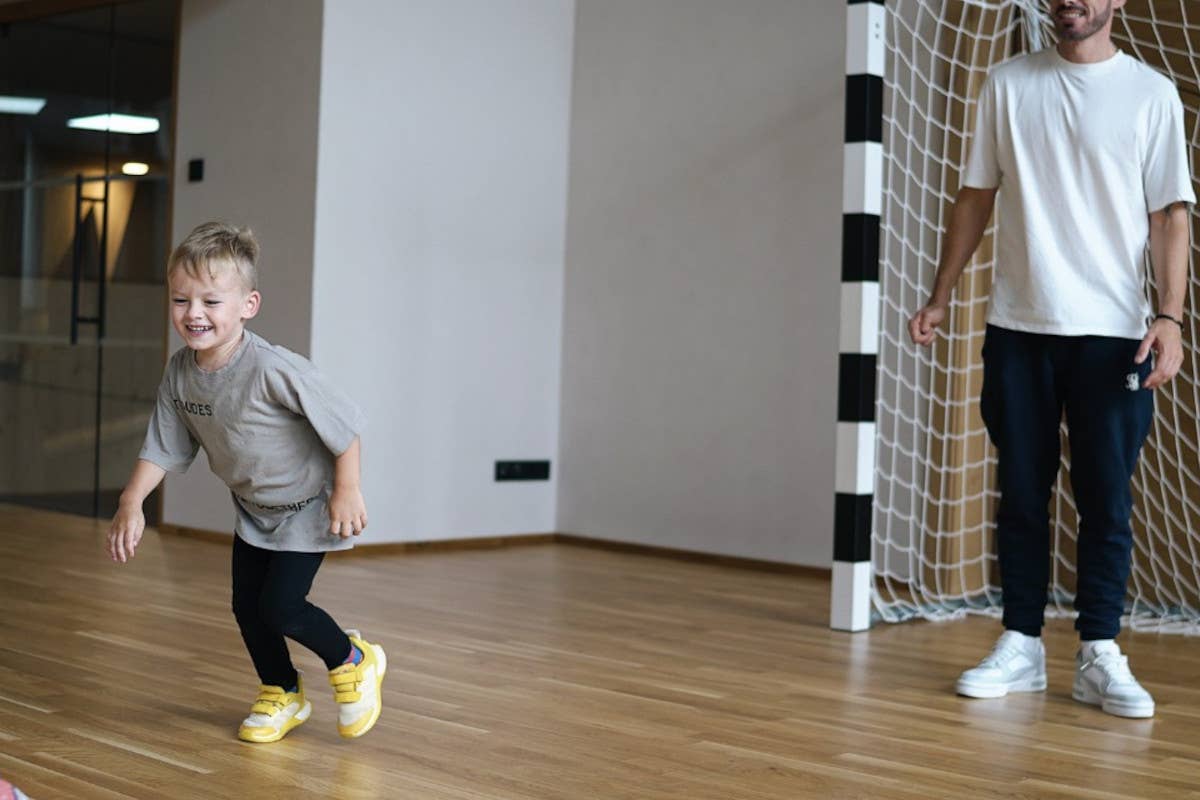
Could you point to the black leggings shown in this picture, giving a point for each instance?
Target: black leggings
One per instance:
(270, 588)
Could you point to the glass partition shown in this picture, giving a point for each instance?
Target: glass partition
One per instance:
(85, 149)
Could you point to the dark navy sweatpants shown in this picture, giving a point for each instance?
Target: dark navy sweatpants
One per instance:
(1029, 380)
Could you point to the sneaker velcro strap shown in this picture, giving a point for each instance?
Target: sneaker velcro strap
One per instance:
(345, 685)
(341, 678)
(270, 699)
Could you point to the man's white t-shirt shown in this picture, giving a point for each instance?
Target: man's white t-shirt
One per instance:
(1081, 153)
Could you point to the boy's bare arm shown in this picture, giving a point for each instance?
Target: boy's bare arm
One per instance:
(347, 510)
(129, 522)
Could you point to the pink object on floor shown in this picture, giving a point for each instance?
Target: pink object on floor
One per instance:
(10, 792)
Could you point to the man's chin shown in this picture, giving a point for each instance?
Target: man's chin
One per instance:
(1069, 32)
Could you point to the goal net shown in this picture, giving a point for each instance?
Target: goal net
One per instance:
(933, 544)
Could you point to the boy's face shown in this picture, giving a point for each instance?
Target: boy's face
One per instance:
(210, 313)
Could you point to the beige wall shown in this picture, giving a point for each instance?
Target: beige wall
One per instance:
(702, 275)
(441, 213)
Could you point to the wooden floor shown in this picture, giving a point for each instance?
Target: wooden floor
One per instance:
(542, 672)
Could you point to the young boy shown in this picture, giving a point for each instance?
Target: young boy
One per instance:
(286, 443)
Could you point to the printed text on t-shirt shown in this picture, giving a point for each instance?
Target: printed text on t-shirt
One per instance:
(198, 409)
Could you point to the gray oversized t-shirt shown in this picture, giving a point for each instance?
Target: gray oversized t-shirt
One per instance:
(271, 426)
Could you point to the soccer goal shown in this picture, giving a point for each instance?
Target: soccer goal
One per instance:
(914, 530)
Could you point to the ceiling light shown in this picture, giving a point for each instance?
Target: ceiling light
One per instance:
(135, 168)
(117, 123)
(21, 105)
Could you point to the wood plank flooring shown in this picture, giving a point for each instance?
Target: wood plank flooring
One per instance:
(542, 672)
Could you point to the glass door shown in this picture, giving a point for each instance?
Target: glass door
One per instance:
(85, 101)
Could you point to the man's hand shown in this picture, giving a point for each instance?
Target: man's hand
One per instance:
(968, 219)
(1166, 340)
(347, 512)
(125, 532)
(922, 327)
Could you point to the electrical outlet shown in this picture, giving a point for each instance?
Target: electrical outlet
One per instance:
(522, 470)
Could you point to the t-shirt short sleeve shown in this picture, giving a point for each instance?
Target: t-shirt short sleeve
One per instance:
(305, 391)
(168, 443)
(1165, 173)
(983, 165)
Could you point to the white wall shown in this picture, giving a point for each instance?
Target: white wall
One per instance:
(437, 295)
(697, 364)
(247, 103)
(702, 274)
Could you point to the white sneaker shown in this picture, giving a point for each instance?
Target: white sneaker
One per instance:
(1104, 680)
(1016, 664)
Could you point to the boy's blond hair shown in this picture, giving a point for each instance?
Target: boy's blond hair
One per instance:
(215, 247)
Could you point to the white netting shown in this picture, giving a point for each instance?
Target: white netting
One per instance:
(932, 544)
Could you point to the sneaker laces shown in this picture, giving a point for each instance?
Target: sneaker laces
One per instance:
(1001, 654)
(1115, 668)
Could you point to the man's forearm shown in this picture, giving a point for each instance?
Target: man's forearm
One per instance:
(968, 220)
(1169, 242)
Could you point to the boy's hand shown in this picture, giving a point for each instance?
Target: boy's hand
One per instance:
(125, 532)
(347, 512)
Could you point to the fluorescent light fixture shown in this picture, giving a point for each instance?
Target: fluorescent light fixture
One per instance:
(117, 123)
(21, 105)
(135, 168)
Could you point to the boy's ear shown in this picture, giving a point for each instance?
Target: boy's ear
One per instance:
(251, 305)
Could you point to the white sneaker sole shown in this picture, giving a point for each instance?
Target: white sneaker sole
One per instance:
(984, 691)
(1117, 708)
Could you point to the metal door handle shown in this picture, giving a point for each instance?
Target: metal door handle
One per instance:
(76, 260)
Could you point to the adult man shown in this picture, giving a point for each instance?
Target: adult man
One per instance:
(1085, 147)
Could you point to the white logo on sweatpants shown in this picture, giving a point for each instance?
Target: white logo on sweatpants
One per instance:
(1131, 382)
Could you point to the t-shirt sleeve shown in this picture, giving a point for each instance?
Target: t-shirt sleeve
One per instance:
(169, 443)
(983, 166)
(1166, 176)
(332, 414)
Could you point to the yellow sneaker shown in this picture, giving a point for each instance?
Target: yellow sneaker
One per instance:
(356, 688)
(274, 713)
